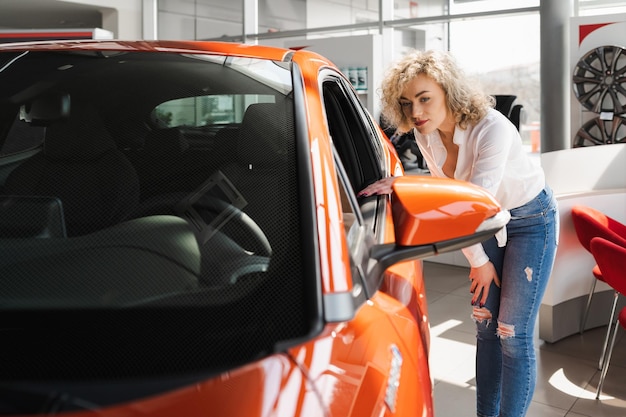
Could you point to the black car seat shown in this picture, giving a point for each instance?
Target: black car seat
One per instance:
(159, 163)
(265, 169)
(505, 104)
(80, 165)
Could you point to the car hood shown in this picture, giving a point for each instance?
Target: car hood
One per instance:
(272, 386)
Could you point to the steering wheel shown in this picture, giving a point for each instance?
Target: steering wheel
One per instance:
(208, 215)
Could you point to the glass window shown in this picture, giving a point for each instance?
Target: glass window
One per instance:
(201, 221)
(354, 226)
(422, 36)
(599, 7)
(280, 15)
(355, 145)
(416, 9)
(475, 6)
(200, 19)
(206, 110)
(344, 12)
(508, 64)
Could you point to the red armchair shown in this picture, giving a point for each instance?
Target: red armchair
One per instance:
(590, 223)
(611, 259)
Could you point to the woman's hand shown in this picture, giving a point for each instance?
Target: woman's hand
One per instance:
(481, 278)
(379, 187)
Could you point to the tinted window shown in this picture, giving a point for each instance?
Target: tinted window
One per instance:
(179, 245)
(22, 136)
(356, 143)
(206, 110)
(352, 134)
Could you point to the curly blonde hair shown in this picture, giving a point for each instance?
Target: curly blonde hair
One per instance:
(467, 103)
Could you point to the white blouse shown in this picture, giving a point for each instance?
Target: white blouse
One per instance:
(491, 156)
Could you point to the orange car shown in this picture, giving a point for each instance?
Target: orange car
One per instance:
(180, 236)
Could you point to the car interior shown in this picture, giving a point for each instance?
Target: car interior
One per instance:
(79, 164)
(136, 182)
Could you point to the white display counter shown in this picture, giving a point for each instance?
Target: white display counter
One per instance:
(594, 176)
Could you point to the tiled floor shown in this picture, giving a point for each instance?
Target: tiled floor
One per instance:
(567, 370)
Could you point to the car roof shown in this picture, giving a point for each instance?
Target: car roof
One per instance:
(221, 48)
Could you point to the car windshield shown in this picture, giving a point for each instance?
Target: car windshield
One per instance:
(149, 213)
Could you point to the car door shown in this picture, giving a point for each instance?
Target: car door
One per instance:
(376, 363)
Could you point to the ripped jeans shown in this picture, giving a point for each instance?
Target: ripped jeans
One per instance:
(505, 353)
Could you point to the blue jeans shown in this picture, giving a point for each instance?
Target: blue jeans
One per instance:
(505, 353)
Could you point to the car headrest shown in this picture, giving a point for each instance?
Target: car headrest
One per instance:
(165, 143)
(266, 131)
(82, 137)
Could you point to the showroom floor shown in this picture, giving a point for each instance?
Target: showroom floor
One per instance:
(567, 370)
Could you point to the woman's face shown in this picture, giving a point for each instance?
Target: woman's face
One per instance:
(423, 103)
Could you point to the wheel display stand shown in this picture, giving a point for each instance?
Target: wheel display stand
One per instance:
(599, 81)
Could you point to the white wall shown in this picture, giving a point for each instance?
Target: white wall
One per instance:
(122, 17)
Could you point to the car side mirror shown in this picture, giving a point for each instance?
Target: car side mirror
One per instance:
(434, 216)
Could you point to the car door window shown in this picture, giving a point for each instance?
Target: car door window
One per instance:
(354, 227)
(356, 143)
(359, 160)
(352, 134)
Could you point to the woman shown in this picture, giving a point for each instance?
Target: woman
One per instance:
(461, 136)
